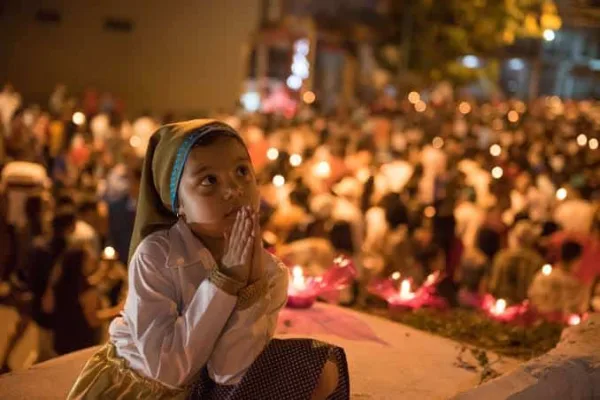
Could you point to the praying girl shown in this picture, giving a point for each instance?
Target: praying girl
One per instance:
(203, 294)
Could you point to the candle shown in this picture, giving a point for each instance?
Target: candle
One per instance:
(300, 293)
(499, 307)
(405, 292)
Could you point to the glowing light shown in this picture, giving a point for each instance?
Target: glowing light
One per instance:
(322, 169)
(309, 97)
(298, 281)
(405, 292)
(549, 35)
(547, 269)
(470, 61)
(513, 116)
(272, 154)
(135, 141)
(295, 160)
(516, 63)
(109, 253)
(499, 307)
(414, 97)
(420, 106)
(429, 211)
(582, 140)
(437, 142)
(79, 118)
(574, 320)
(251, 101)
(396, 275)
(495, 150)
(294, 82)
(278, 181)
(561, 194)
(593, 143)
(464, 108)
(302, 46)
(300, 68)
(497, 172)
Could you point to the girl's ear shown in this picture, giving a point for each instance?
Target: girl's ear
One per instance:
(180, 212)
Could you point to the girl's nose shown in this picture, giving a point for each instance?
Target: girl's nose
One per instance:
(233, 191)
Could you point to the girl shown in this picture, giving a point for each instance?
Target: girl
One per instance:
(203, 295)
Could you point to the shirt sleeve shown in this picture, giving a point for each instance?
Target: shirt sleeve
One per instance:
(173, 344)
(249, 330)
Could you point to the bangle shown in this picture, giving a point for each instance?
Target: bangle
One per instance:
(251, 293)
(224, 282)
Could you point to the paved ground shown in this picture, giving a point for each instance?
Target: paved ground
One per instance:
(387, 360)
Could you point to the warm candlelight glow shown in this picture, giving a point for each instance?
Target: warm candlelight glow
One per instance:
(499, 307)
(429, 212)
(109, 253)
(414, 97)
(405, 292)
(278, 181)
(298, 281)
(309, 97)
(513, 116)
(322, 169)
(561, 194)
(464, 107)
(574, 320)
(438, 142)
(495, 150)
(135, 141)
(497, 172)
(396, 275)
(420, 106)
(582, 140)
(547, 269)
(295, 160)
(593, 143)
(79, 118)
(272, 154)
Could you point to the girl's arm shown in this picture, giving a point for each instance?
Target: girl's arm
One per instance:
(250, 326)
(173, 346)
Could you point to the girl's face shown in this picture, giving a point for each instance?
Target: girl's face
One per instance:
(217, 180)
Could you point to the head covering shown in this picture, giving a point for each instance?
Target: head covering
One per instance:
(167, 153)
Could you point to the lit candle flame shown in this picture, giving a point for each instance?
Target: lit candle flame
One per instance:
(322, 169)
(272, 154)
(499, 307)
(405, 292)
(298, 281)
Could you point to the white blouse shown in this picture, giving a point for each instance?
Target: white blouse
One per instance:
(175, 321)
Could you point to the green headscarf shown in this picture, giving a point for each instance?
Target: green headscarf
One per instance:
(167, 153)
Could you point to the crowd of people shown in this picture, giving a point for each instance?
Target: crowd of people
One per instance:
(500, 197)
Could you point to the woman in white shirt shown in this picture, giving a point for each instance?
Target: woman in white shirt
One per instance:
(203, 294)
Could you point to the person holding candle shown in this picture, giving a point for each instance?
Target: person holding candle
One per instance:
(203, 294)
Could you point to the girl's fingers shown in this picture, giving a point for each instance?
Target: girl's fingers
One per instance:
(236, 227)
(247, 251)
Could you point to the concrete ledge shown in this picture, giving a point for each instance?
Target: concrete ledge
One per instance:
(571, 371)
(387, 360)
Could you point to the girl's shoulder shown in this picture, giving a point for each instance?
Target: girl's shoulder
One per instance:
(155, 246)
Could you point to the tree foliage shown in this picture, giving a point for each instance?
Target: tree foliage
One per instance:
(441, 32)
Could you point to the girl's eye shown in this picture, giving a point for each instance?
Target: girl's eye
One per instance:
(209, 181)
(243, 170)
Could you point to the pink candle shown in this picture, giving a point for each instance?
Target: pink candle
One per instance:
(300, 291)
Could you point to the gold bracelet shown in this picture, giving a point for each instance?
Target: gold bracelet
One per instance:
(224, 282)
(251, 293)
